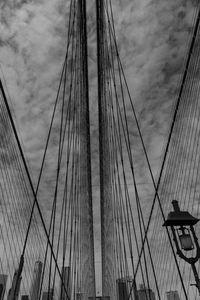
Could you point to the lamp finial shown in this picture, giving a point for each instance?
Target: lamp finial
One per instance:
(175, 205)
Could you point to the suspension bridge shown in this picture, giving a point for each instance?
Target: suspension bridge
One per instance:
(51, 255)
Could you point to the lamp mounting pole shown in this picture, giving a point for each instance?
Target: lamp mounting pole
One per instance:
(196, 276)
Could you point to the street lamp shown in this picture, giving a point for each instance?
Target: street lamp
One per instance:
(181, 224)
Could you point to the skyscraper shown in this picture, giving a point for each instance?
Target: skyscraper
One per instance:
(48, 295)
(35, 288)
(172, 295)
(122, 289)
(145, 293)
(67, 282)
(3, 280)
(14, 290)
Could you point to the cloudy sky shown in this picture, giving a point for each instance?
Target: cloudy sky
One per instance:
(153, 37)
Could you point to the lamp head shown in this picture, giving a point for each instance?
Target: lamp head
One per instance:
(179, 218)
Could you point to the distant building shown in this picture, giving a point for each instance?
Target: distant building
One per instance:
(122, 289)
(78, 296)
(145, 293)
(172, 295)
(3, 280)
(126, 288)
(66, 277)
(14, 290)
(47, 295)
(35, 287)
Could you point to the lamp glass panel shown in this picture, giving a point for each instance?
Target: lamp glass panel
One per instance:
(186, 242)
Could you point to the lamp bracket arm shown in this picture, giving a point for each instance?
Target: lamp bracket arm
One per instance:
(196, 244)
(181, 255)
(190, 260)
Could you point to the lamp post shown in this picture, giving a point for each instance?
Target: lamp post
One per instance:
(181, 224)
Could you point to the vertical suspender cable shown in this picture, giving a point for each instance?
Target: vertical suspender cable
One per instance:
(33, 192)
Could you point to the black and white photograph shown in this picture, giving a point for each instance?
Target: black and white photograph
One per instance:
(99, 150)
